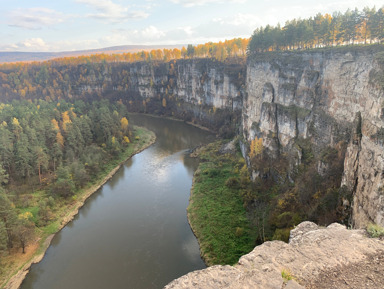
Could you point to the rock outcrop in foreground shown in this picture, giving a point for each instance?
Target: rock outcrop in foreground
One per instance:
(331, 257)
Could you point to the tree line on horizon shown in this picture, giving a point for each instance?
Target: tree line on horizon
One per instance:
(221, 50)
(351, 27)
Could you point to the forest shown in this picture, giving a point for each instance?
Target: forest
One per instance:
(49, 151)
(59, 129)
(351, 27)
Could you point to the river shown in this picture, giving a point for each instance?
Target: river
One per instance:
(133, 232)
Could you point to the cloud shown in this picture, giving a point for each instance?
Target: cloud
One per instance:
(218, 29)
(133, 36)
(240, 19)
(192, 3)
(152, 32)
(31, 44)
(34, 18)
(112, 12)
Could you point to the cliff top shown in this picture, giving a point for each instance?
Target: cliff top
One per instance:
(289, 55)
(331, 257)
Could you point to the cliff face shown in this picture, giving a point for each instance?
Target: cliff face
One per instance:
(325, 98)
(203, 91)
(305, 106)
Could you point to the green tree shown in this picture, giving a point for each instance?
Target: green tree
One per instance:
(23, 157)
(41, 160)
(190, 51)
(24, 229)
(80, 175)
(3, 175)
(64, 185)
(8, 217)
(378, 25)
(45, 213)
(6, 148)
(3, 237)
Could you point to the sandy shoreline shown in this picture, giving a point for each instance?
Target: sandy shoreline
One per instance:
(15, 281)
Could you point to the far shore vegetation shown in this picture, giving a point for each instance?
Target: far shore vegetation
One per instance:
(64, 127)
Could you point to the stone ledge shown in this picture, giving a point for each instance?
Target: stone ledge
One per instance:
(312, 251)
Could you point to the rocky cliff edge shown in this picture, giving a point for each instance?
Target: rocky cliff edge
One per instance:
(315, 257)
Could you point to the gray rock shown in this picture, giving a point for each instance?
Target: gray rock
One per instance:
(311, 251)
(317, 96)
(292, 284)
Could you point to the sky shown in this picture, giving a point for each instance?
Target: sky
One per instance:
(58, 25)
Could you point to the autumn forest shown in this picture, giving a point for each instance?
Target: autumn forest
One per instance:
(59, 132)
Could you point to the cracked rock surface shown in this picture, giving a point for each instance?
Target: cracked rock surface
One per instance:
(315, 257)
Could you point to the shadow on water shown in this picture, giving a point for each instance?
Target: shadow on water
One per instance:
(132, 233)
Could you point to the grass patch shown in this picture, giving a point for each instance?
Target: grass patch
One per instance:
(51, 228)
(375, 231)
(216, 210)
(286, 275)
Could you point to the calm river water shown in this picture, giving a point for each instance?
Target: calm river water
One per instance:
(132, 233)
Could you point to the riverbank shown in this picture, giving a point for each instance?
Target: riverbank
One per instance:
(215, 212)
(19, 267)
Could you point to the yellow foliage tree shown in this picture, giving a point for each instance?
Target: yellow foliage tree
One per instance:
(124, 124)
(15, 122)
(256, 147)
(126, 139)
(25, 216)
(164, 102)
(66, 119)
(55, 124)
(60, 139)
(17, 129)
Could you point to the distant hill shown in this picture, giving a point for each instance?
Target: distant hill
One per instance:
(6, 57)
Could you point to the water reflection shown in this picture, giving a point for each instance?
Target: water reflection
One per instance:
(118, 176)
(134, 232)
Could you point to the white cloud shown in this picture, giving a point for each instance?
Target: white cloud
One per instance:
(152, 32)
(34, 18)
(133, 36)
(150, 35)
(192, 3)
(112, 12)
(218, 29)
(31, 44)
(240, 19)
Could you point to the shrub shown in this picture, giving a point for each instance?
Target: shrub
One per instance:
(286, 275)
(375, 231)
(282, 235)
(232, 183)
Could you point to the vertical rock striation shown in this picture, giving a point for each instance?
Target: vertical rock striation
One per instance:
(326, 98)
(205, 91)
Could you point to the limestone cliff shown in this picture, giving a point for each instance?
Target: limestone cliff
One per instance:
(312, 254)
(302, 104)
(204, 91)
(327, 98)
